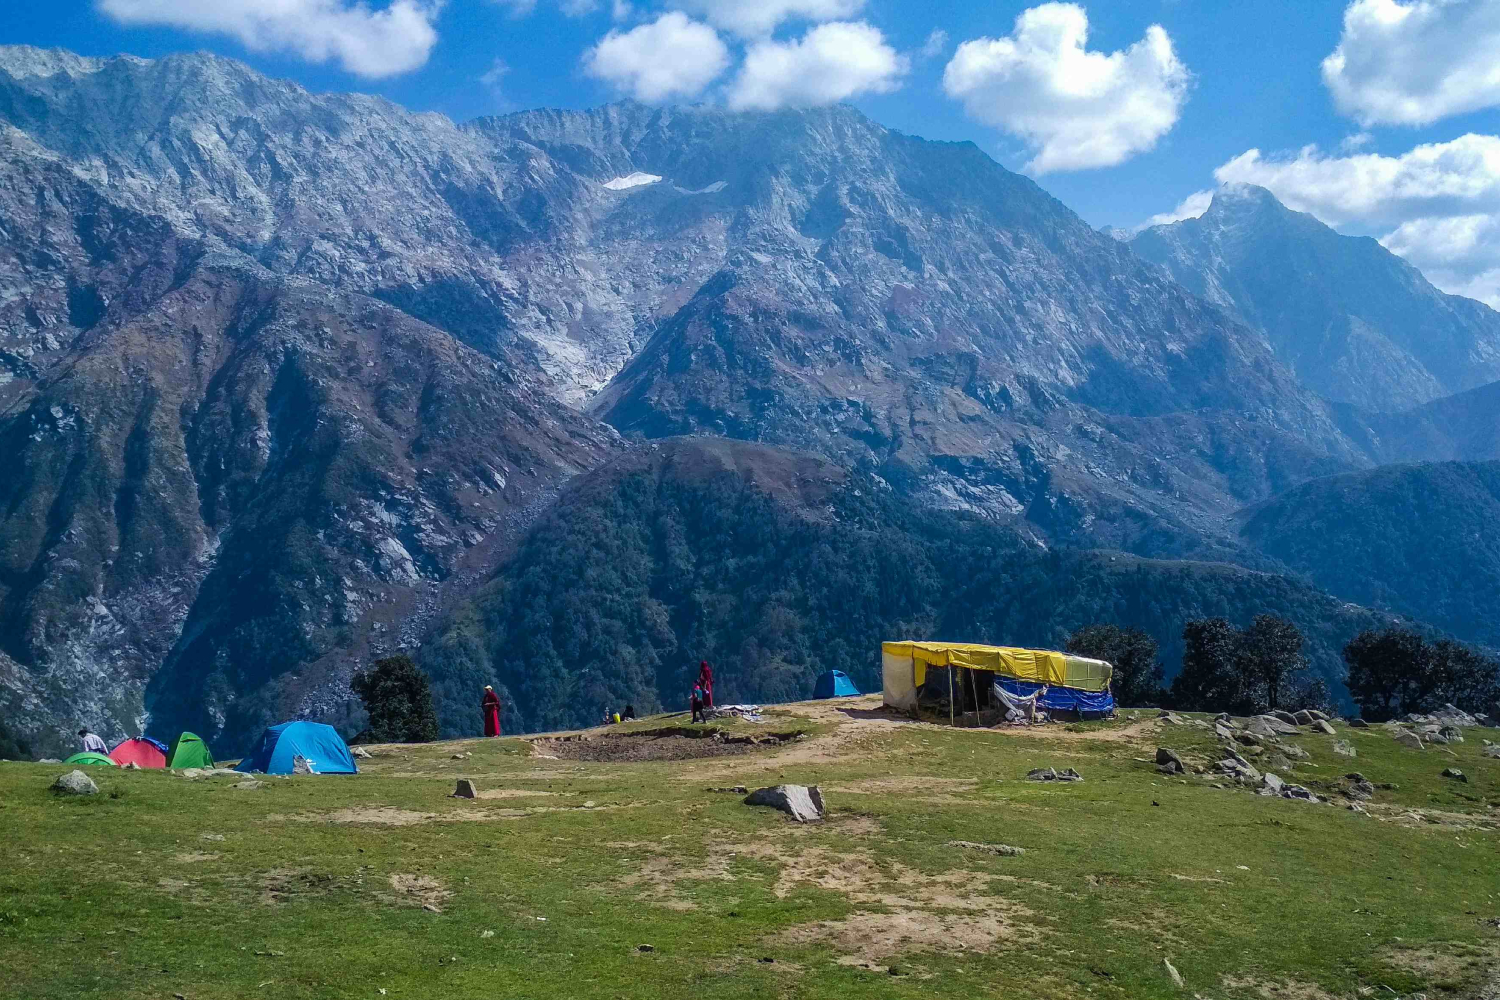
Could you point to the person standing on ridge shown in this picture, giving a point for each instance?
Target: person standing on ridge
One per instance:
(697, 702)
(706, 682)
(92, 743)
(490, 707)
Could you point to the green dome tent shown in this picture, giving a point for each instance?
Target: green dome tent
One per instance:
(89, 757)
(188, 750)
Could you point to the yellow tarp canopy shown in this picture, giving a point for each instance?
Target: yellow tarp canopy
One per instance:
(1041, 666)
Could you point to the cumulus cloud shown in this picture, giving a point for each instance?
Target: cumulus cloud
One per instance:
(1077, 109)
(758, 18)
(1438, 204)
(1414, 63)
(672, 57)
(831, 63)
(369, 42)
(1191, 207)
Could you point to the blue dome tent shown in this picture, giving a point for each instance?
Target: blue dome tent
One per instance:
(834, 684)
(320, 746)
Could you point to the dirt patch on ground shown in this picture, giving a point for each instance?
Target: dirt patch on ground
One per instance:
(867, 938)
(192, 857)
(281, 885)
(905, 786)
(1453, 965)
(1283, 989)
(666, 744)
(512, 793)
(418, 890)
(1417, 818)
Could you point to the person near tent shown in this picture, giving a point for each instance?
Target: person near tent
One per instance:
(489, 706)
(697, 703)
(706, 682)
(629, 713)
(92, 743)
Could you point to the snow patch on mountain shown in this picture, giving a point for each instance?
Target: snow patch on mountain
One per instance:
(634, 180)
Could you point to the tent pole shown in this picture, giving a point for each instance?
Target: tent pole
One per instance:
(950, 694)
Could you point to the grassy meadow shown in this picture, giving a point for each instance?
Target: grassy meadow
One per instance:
(550, 883)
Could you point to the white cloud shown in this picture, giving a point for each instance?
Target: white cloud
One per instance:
(831, 63)
(1413, 63)
(1434, 179)
(1438, 204)
(369, 42)
(493, 76)
(1077, 109)
(936, 45)
(672, 57)
(517, 8)
(758, 18)
(1190, 207)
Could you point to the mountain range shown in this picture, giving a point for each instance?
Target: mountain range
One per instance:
(288, 380)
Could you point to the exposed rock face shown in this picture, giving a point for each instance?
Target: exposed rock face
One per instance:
(1357, 323)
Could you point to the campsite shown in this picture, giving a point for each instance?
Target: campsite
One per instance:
(632, 870)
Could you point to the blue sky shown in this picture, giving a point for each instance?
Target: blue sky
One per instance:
(1176, 89)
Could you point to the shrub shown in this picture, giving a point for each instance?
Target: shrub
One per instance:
(399, 700)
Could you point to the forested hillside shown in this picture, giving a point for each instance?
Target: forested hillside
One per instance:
(1417, 539)
(777, 566)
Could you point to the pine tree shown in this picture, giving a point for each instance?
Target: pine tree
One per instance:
(399, 700)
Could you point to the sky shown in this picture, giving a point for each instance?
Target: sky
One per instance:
(1380, 117)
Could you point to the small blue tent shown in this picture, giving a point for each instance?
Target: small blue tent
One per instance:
(834, 684)
(324, 750)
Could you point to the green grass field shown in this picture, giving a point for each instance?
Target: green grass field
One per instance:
(547, 886)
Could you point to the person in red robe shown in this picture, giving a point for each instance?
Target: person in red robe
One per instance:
(490, 706)
(706, 682)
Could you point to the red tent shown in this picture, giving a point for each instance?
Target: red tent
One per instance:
(140, 752)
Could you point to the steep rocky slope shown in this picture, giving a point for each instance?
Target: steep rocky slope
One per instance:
(1419, 540)
(1357, 323)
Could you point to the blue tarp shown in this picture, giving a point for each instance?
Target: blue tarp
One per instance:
(834, 684)
(1061, 699)
(322, 747)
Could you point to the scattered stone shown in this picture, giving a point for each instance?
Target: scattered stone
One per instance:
(1318, 716)
(249, 784)
(1407, 738)
(803, 804)
(1360, 790)
(1455, 774)
(457, 756)
(1271, 785)
(1286, 717)
(1172, 718)
(1358, 724)
(486, 934)
(646, 948)
(736, 790)
(1275, 725)
(1492, 752)
(1048, 774)
(1302, 718)
(1223, 732)
(1240, 771)
(1176, 976)
(75, 783)
(1344, 748)
(1298, 792)
(130, 766)
(1248, 739)
(50, 760)
(1356, 807)
(430, 908)
(1167, 761)
(1293, 751)
(1451, 734)
(360, 752)
(465, 789)
(1000, 850)
(1261, 726)
(1319, 726)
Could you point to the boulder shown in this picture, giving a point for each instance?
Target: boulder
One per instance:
(1344, 748)
(1223, 732)
(1318, 716)
(804, 804)
(1357, 723)
(75, 783)
(1286, 717)
(249, 784)
(1048, 774)
(1271, 785)
(1168, 762)
(1277, 727)
(1454, 716)
(1455, 774)
(1492, 752)
(1319, 726)
(1452, 734)
(1261, 726)
(1277, 762)
(50, 760)
(1407, 738)
(1292, 751)
(1302, 718)
(1300, 793)
(465, 790)
(1359, 789)
(1172, 718)
(1248, 739)
(359, 752)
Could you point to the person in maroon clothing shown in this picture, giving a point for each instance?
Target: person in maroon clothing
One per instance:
(706, 682)
(490, 706)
